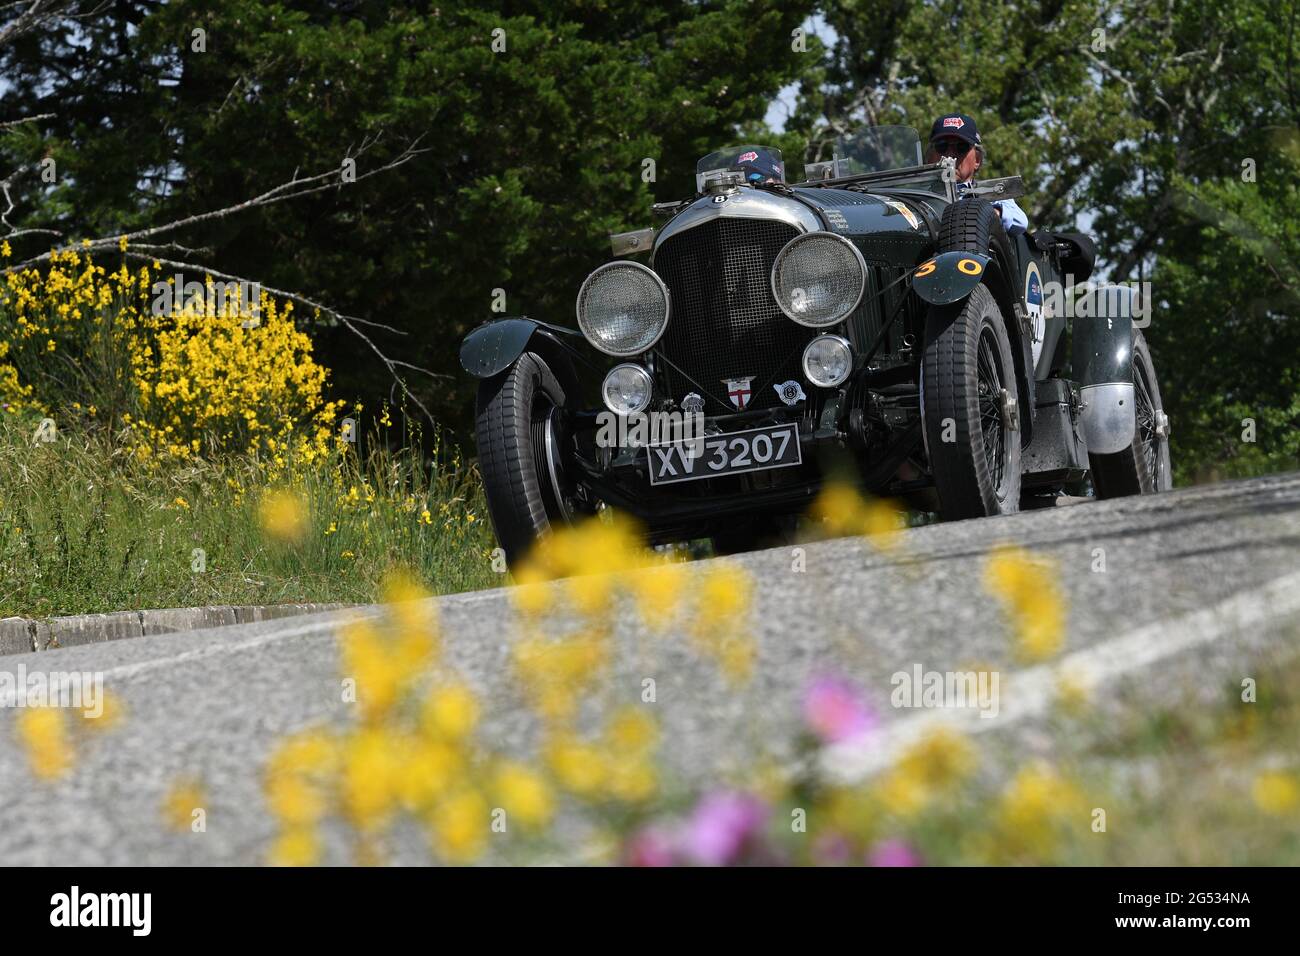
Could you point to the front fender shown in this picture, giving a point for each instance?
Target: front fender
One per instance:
(494, 346)
(949, 277)
(1102, 360)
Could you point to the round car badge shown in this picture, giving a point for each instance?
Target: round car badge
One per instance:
(790, 392)
(719, 198)
(1034, 307)
(692, 404)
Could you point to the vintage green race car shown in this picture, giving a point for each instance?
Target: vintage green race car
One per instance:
(875, 323)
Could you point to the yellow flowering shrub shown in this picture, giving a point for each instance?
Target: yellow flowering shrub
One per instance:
(188, 375)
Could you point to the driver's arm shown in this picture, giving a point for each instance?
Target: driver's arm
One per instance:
(1014, 220)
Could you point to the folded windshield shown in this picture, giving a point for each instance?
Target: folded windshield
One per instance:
(758, 164)
(873, 149)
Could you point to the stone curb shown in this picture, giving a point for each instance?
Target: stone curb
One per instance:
(20, 635)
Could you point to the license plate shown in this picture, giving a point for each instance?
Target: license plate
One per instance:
(758, 449)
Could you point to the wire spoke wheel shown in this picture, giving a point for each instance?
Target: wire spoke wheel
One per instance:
(992, 423)
(1146, 424)
(1144, 467)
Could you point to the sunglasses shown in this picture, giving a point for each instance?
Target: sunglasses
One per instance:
(951, 147)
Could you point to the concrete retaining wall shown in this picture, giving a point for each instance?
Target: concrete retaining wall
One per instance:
(19, 634)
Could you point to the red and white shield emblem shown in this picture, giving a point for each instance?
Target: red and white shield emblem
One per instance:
(738, 390)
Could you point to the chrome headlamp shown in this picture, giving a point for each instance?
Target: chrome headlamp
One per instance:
(623, 308)
(627, 389)
(827, 360)
(818, 279)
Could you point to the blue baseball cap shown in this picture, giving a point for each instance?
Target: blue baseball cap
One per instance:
(759, 165)
(955, 124)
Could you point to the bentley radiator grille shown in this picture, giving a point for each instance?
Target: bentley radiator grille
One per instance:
(725, 323)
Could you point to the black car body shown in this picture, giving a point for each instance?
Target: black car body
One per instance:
(751, 277)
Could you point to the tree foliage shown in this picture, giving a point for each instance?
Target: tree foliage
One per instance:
(1137, 120)
(536, 117)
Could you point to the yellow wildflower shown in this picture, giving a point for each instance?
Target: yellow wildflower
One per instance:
(368, 660)
(1032, 598)
(43, 733)
(1276, 793)
(180, 802)
(524, 795)
(460, 826)
(297, 846)
(294, 799)
(283, 516)
(370, 773)
(631, 730)
(1036, 809)
(429, 769)
(450, 712)
(578, 766)
(840, 507)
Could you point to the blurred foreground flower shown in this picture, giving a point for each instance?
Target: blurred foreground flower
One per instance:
(652, 846)
(723, 827)
(1036, 810)
(283, 516)
(930, 768)
(524, 795)
(296, 846)
(1276, 793)
(43, 732)
(1031, 597)
(111, 712)
(834, 710)
(720, 625)
(844, 511)
(180, 802)
(893, 853)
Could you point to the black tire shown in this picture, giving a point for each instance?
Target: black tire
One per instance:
(967, 486)
(966, 371)
(524, 487)
(974, 225)
(1144, 467)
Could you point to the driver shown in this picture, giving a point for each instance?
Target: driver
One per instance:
(955, 135)
(759, 166)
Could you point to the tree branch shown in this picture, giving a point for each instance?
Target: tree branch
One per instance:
(294, 188)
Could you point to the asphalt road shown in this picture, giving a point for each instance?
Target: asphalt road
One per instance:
(1198, 583)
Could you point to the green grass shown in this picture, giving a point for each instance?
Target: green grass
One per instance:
(1179, 782)
(1188, 775)
(85, 526)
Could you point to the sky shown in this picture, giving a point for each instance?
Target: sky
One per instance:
(779, 112)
